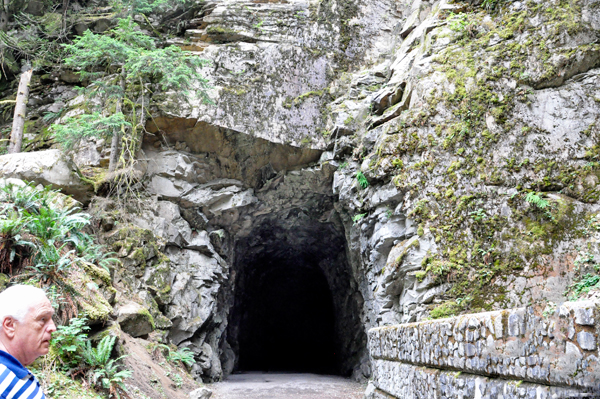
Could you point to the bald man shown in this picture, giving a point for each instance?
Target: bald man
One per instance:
(25, 334)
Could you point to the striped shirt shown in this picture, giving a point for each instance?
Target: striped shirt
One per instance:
(16, 382)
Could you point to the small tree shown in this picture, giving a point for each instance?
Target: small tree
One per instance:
(124, 65)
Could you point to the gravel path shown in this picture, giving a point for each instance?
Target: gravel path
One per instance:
(286, 386)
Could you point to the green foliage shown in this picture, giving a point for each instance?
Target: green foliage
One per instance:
(398, 163)
(176, 378)
(105, 372)
(145, 6)
(478, 215)
(588, 282)
(37, 41)
(126, 68)
(446, 309)
(92, 51)
(362, 180)
(69, 341)
(457, 22)
(170, 68)
(82, 127)
(183, 355)
(41, 240)
(111, 378)
(76, 354)
(537, 200)
(358, 218)
(100, 355)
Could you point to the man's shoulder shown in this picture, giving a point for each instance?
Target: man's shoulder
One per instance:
(12, 364)
(16, 381)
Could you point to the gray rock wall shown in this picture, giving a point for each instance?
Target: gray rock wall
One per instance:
(504, 354)
(273, 62)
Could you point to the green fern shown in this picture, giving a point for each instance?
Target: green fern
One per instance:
(100, 355)
(537, 200)
(68, 342)
(111, 378)
(362, 180)
(184, 355)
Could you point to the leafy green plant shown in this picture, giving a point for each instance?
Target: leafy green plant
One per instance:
(145, 6)
(27, 198)
(183, 355)
(457, 22)
(110, 378)
(478, 215)
(99, 355)
(537, 200)
(588, 282)
(362, 180)
(176, 378)
(398, 163)
(68, 342)
(358, 218)
(105, 372)
(42, 240)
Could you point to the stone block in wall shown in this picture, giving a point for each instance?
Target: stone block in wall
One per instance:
(557, 349)
(395, 380)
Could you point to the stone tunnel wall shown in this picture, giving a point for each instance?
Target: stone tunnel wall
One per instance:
(518, 353)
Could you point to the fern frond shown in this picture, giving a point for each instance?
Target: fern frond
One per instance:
(104, 349)
(537, 200)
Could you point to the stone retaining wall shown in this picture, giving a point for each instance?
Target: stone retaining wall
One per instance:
(518, 353)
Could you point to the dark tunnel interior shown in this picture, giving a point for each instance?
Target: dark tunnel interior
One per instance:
(289, 321)
(295, 303)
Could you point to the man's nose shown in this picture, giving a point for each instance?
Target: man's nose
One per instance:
(51, 327)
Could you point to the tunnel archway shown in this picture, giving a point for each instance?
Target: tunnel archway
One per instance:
(296, 305)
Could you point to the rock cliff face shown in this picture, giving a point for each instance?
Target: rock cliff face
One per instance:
(247, 199)
(396, 159)
(457, 149)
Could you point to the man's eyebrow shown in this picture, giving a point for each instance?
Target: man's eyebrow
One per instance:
(46, 313)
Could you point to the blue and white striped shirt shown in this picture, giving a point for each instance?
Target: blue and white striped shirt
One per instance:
(16, 382)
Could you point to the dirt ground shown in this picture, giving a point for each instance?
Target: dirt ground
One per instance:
(286, 386)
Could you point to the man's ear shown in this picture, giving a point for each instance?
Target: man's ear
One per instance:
(9, 326)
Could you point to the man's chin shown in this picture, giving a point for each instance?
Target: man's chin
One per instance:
(44, 348)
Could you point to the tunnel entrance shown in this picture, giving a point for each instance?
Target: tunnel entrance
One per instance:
(289, 321)
(296, 304)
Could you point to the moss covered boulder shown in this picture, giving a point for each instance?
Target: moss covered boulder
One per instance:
(135, 319)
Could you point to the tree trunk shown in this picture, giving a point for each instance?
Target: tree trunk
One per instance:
(64, 20)
(116, 139)
(3, 20)
(16, 135)
(3, 15)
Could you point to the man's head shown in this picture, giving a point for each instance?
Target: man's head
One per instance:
(26, 322)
